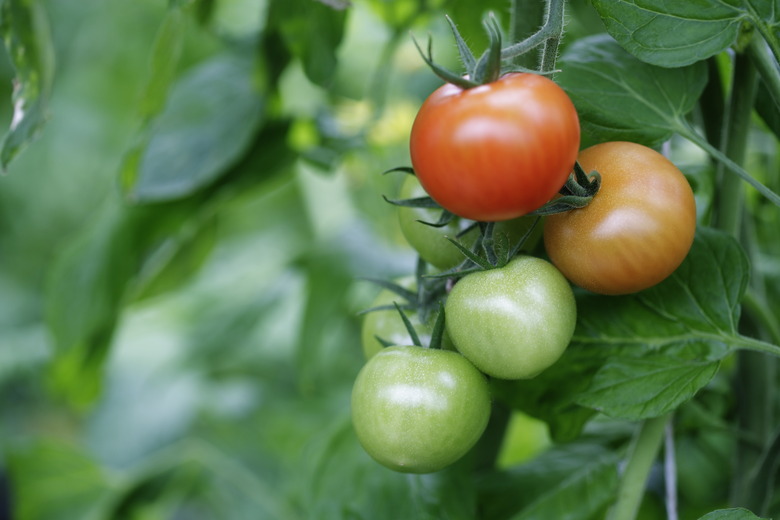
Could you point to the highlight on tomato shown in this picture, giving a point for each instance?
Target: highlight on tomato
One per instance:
(637, 229)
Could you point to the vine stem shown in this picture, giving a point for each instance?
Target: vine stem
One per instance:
(642, 453)
(767, 34)
(688, 133)
(549, 36)
(758, 309)
(756, 345)
(767, 66)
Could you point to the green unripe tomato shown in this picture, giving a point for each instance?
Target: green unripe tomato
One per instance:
(431, 242)
(388, 325)
(418, 410)
(514, 321)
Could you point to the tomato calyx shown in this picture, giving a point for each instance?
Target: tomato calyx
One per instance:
(492, 250)
(436, 335)
(425, 300)
(479, 71)
(577, 193)
(422, 202)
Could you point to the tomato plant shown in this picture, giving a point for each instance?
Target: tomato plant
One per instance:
(496, 151)
(180, 329)
(636, 231)
(418, 410)
(514, 321)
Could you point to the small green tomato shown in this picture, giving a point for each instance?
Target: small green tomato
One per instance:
(418, 410)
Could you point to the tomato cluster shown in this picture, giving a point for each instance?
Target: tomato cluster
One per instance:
(488, 156)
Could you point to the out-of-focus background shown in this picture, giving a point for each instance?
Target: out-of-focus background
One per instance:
(181, 248)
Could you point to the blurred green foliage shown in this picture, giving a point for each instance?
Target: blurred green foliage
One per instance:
(184, 225)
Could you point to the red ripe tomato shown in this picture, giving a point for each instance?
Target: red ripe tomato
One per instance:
(637, 229)
(496, 151)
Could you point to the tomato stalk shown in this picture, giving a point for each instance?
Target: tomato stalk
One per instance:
(754, 372)
(526, 19)
(767, 66)
(550, 31)
(641, 454)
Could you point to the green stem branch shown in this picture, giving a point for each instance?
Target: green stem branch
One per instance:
(730, 189)
(526, 19)
(767, 67)
(549, 36)
(756, 345)
(641, 455)
(690, 134)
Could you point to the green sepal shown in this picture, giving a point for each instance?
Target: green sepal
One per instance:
(445, 218)
(475, 258)
(401, 291)
(438, 329)
(403, 169)
(577, 193)
(466, 56)
(488, 68)
(383, 341)
(409, 326)
(445, 74)
(418, 202)
(388, 307)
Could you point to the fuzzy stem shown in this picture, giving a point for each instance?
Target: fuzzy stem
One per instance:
(526, 19)
(549, 36)
(555, 24)
(642, 453)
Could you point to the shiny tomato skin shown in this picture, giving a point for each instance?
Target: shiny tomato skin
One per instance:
(637, 229)
(418, 410)
(496, 151)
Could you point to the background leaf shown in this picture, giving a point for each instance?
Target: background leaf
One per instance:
(619, 97)
(25, 31)
(582, 473)
(730, 514)
(73, 483)
(312, 30)
(210, 119)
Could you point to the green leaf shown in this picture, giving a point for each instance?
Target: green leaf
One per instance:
(129, 252)
(551, 395)
(730, 514)
(546, 487)
(673, 34)
(210, 120)
(312, 30)
(75, 486)
(88, 287)
(25, 31)
(619, 97)
(164, 61)
(662, 345)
